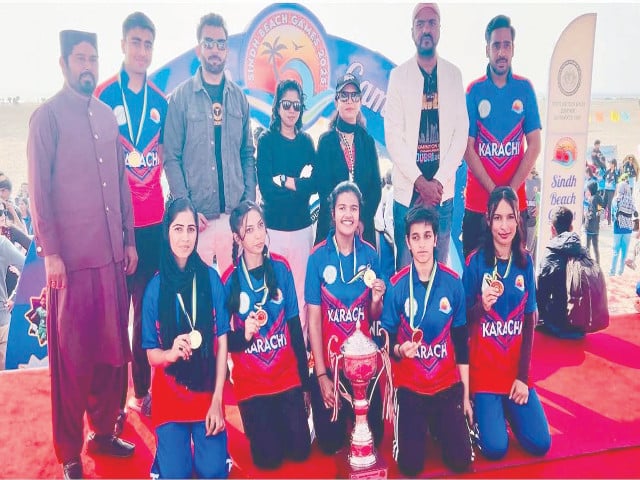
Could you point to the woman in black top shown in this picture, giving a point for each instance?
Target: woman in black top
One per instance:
(286, 158)
(348, 152)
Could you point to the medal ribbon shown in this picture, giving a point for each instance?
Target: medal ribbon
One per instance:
(126, 111)
(356, 275)
(262, 288)
(426, 296)
(506, 272)
(194, 312)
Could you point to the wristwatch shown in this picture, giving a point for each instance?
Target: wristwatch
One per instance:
(283, 179)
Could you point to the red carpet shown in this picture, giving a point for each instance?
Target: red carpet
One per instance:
(589, 389)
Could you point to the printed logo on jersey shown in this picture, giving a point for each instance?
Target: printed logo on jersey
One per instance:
(503, 332)
(121, 116)
(330, 274)
(413, 306)
(217, 114)
(484, 108)
(445, 305)
(520, 283)
(500, 152)
(517, 106)
(342, 316)
(154, 115)
(244, 303)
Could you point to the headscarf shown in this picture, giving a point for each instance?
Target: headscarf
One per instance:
(198, 373)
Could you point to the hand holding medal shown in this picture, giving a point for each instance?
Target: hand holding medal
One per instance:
(251, 326)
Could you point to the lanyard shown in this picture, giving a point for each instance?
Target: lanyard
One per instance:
(262, 288)
(426, 296)
(356, 275)
(126, 111)
(194, 312)
(506, 272)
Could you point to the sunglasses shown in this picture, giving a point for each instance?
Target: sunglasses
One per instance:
(287, 104)
(208, 43)
(345, 96)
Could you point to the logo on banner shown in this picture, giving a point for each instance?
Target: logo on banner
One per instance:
(569, 77)
(287, 44)
(36, 316)
(566, 152)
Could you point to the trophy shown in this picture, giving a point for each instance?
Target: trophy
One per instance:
(359, 357)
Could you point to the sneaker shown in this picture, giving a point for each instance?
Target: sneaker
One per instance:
(141, 405)
(119, 426)
(110, 445)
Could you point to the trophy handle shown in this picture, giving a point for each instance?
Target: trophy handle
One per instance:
(332, 352)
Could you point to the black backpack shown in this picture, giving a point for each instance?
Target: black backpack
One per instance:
(587, 307)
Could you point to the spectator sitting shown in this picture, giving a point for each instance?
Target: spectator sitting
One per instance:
(552, 285)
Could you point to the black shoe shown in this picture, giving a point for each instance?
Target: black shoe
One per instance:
(72, 469)
(110, 445)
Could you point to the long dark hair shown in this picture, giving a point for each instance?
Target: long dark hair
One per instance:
(198, 373)
(517, 246)
(237, 220)
(283, 87)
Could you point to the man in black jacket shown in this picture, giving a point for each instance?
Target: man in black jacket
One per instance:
(551, 294)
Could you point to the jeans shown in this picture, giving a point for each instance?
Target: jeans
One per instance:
(620, 247)
(403, 255)
(528, 423)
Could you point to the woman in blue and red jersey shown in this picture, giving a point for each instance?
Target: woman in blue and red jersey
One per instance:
(425, 315)
(337, 298)
(184, 330)
(501, 310)
(270, 368)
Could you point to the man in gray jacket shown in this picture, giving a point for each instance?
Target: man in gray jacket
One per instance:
(208, 146)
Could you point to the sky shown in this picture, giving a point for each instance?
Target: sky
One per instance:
(29, 49)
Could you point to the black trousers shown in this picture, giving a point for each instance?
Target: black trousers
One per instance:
(332, 436)
(442, 413)
(148, 247)
(277, 428)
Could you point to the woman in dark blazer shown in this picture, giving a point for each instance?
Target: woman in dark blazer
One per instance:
(348, 152)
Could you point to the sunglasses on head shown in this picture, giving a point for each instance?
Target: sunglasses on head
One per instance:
(208, 43)
(287, 104)
(345, 96)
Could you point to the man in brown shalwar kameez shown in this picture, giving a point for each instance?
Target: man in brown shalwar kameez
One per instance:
(83, 219)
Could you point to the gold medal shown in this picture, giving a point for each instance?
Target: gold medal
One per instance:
(195, 338)
(416, 336)
(261, 317)
(369, 277)
(498, 286)
(134, 159)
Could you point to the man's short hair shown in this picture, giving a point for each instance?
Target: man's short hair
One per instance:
(426, 215)
(212, 20)
(597, 142)
(138, 20)
(561, 219)
(5, 184)
(500, 21)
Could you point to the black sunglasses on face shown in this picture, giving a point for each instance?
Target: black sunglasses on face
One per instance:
(345, 96)
(208, 43)
(287, 104)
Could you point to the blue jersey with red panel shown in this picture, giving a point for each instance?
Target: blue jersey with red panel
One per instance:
(495, 341)
(140, 118)
(268, 366)
(173, 402)
(499, 120)
(434, 367)
(343, 302)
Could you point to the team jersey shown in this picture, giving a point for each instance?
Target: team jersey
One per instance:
(342, 303)
(268, 366)
(144, 170)
(173, 402)
(434, 367)
(495, 341)
(499, 120)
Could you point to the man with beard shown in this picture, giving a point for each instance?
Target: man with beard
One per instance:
(425, 126)
(503, 112)
(208, 146)
(140, 109)
(83, 219)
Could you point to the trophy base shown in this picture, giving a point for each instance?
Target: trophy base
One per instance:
(376, 471)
